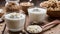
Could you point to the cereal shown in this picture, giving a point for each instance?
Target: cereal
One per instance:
(34, 29)
(51, 5)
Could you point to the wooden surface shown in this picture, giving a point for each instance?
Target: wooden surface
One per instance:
(1, 27)
(53, 30)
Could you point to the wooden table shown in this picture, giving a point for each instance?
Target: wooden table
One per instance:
(53, 30)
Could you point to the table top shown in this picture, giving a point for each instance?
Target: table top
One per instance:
(53, 30)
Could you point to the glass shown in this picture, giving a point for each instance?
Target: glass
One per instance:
(37, 14)
(15, 21)
(12, 7)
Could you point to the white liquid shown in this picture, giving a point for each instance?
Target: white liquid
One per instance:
(37, 14)
(15, 24)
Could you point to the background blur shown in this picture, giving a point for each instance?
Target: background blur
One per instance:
(2, 2)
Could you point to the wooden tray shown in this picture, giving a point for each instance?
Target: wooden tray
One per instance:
(52, 30)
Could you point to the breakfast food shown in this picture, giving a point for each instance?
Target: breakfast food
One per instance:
(53, 7)
(34, 29)
(37, 14)
(53, 0)
(15, 21)
(12, 7)
(25, 6)
(14, 16)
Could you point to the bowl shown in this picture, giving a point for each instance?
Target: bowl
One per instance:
(53, 8)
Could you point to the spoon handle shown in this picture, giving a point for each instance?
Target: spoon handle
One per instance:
(51, 23)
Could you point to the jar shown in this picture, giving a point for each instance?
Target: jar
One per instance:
(15, 21)
(12, 6)
(37, 14)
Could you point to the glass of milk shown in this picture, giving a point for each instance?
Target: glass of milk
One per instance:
(37, 14)
(15, 21)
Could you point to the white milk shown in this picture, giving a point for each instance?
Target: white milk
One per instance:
(37, 14)
(15, 24)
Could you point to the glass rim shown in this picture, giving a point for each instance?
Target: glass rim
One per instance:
(37, 7)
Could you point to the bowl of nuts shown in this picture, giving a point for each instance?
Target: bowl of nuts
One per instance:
(53, 7)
